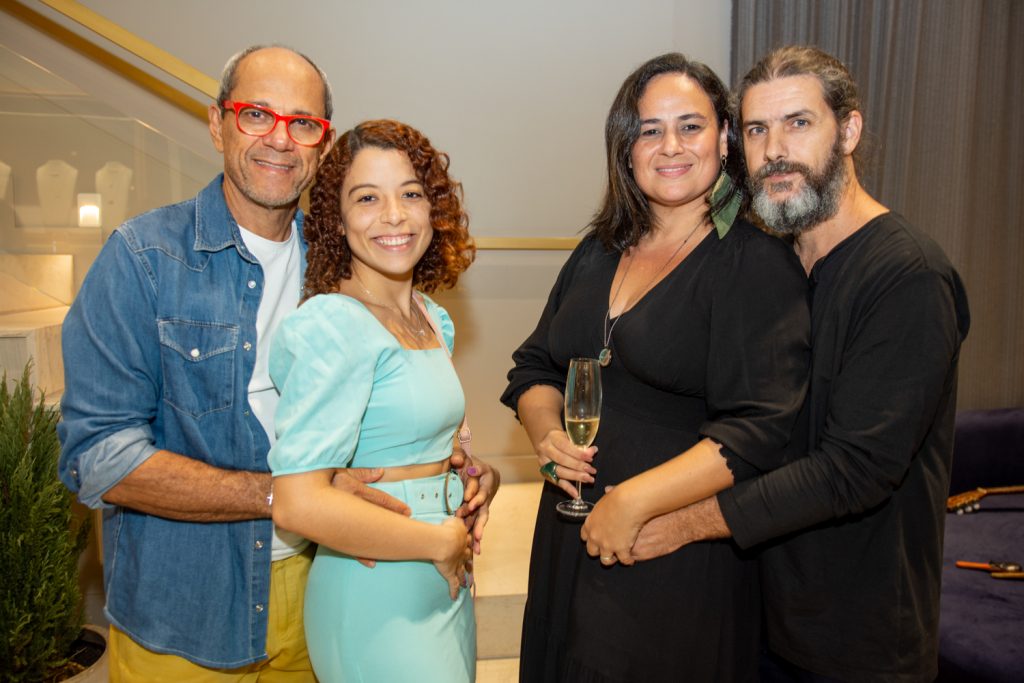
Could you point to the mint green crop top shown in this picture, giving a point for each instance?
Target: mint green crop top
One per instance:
(352, 396)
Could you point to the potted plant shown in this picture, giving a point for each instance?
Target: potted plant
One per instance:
(41, 610)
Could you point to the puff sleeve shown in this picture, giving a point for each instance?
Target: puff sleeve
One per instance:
(442, 322)
(323, 368)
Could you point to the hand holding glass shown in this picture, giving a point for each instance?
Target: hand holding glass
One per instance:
(582, 416)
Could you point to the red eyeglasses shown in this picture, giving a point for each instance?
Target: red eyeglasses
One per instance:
(252, 119)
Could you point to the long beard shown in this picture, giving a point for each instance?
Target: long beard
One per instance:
(815, 202)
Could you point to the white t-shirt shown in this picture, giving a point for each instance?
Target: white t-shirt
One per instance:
(282, 288)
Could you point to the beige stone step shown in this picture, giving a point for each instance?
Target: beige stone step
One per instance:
(497, 670)
(501, 571)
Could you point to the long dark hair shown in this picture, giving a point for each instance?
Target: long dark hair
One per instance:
(625, 214)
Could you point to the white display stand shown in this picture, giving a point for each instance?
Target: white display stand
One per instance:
(55, 185)
(113, 183)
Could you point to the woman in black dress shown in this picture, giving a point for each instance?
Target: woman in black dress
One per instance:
(702, 321)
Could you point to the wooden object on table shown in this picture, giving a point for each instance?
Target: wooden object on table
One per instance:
(970, 501)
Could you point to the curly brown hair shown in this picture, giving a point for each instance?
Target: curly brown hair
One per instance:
(451, 249)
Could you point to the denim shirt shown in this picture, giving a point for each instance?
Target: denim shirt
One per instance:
(159, 347)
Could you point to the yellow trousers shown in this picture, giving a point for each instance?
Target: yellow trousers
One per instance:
(287, 657)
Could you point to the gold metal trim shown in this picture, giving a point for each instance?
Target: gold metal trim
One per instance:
(97, 54)
(526, 243)
(142, 49)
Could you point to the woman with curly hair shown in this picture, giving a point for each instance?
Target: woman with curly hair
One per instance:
(365, 382)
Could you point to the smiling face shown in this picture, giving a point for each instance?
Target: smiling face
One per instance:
(385, 215)
(677, 157)
(797, 154)
(268, 172)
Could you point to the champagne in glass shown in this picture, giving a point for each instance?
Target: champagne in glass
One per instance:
(582, 417)
(582, 431)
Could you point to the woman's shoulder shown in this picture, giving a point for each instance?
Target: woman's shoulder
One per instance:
(330, 319)
(333, 307)
(748, 242)
(440, 318)
(591, 244)
(590, 252)
(748, 259)
(746, 233)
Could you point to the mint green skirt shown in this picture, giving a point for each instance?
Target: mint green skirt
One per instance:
(395, 622)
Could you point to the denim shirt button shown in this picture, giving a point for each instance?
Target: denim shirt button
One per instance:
(194, 353)
(259, 545)
(259, 607)
(247, 346)
(252, 284)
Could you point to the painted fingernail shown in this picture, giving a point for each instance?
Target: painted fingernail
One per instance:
(472, 471)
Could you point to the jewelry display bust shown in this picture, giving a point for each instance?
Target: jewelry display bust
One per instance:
(113, 182)
(55, 185)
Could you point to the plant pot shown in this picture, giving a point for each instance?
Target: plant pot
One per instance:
(97, 672)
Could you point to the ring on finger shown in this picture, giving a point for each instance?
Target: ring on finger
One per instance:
(548, 471)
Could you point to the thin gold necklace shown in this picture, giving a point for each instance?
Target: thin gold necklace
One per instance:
(605, 357)
(419, 332)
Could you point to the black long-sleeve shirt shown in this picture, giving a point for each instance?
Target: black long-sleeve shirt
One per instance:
(852, 531)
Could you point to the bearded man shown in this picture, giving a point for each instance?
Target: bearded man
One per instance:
(850, 530)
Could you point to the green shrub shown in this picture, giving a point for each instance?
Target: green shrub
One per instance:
(41, 610)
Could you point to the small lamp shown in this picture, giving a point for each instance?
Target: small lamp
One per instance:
(89, 210)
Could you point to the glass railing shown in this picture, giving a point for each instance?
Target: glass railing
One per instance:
(73, 168)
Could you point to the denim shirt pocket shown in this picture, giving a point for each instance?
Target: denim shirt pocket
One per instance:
(198, 360)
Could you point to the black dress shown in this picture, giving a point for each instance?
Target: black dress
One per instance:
(718, 348)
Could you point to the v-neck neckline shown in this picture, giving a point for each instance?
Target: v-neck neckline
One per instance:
(669, 273)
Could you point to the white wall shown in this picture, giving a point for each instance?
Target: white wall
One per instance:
(516, 92)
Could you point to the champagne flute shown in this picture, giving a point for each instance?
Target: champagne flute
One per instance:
(582, 416)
